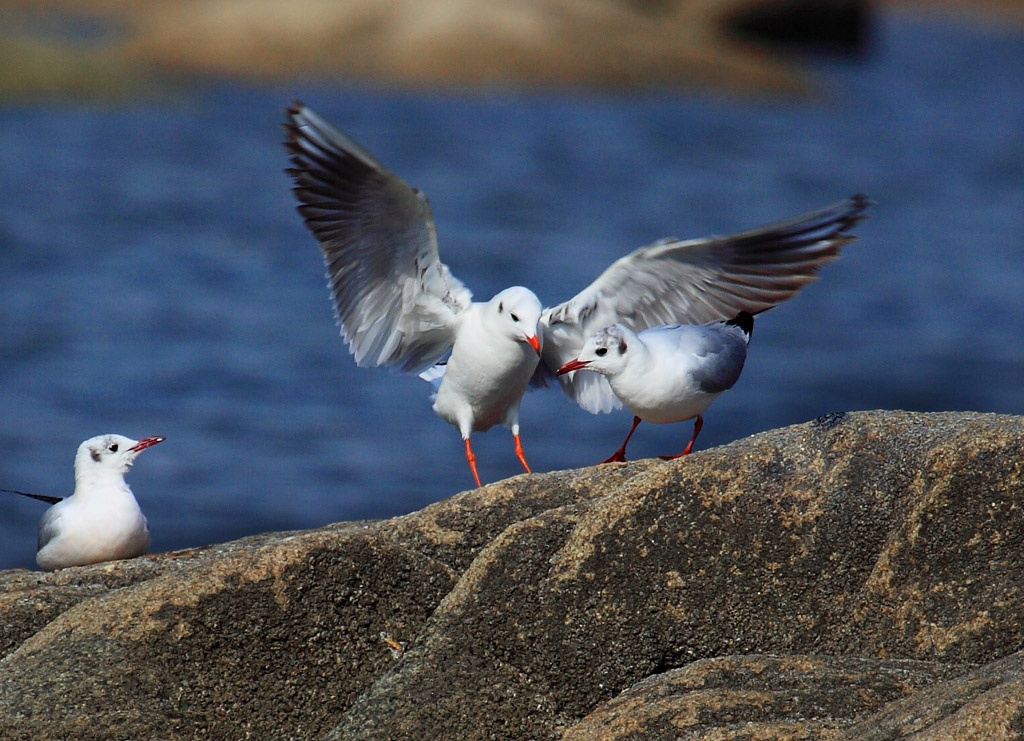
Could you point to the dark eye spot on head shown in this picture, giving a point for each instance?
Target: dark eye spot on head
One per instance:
(601, 352)
(622, 347)
(501, 307)
(113, 448)
(95, 454)
(514, 317)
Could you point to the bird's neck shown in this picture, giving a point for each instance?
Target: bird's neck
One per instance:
(105, 481)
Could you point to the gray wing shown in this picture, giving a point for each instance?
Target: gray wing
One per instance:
(395, 301)
(695, 282)
(49, 526)
(722, 348)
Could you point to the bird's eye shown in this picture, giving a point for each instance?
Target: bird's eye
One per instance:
(113, 448)
(514, 317)
(601, 352)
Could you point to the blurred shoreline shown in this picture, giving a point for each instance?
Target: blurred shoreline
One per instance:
(114, 48)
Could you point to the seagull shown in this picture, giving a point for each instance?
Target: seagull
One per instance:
(668, 373)
(100, 521)
(398, 305)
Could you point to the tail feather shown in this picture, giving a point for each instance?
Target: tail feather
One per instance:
(745, 321)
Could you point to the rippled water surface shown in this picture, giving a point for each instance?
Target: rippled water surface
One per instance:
(157, 280)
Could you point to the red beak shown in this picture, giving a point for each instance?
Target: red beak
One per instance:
(571, 366)
(146, 442)
(534, 343)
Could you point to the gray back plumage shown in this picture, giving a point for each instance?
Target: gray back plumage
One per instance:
(726, 349)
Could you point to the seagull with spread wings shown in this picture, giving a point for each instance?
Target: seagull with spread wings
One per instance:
(398, 305)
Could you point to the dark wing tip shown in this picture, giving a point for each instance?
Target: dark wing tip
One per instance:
(40, 497)
(859, 203)
(292, 111)
(861, 200)
(841, 217)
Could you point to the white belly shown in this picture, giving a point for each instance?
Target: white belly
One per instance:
(87, 535)
(481, 389)
(675, 402)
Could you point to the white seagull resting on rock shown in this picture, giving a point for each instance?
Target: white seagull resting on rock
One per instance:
(668, 373)
(101, 521)
(398, 305)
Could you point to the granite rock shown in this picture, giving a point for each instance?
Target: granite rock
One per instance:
(856, 576)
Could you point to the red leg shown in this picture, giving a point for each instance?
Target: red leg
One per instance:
(519, 454)
(472, 462)
(689, 446)
(619, 456)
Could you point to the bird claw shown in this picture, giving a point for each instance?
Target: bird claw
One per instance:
(617, 458)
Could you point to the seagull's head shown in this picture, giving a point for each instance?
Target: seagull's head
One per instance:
(110, 453)
(515, 312)
(604, 352)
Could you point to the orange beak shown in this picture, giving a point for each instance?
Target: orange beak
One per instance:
(571, 366)
(534, 343)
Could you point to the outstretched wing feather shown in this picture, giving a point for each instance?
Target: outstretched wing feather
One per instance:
(396, 303)
(695, 282)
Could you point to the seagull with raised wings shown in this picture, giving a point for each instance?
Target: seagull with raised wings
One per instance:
(398, 305)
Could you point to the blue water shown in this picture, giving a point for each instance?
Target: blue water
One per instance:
(157, 280)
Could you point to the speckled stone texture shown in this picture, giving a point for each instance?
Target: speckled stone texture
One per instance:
(858, 576)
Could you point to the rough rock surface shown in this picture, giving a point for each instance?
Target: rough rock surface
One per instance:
(805, 697)
(857, 576)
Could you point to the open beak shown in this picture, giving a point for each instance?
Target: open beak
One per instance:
(147, 442)
(571, 366)
(534, 343)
